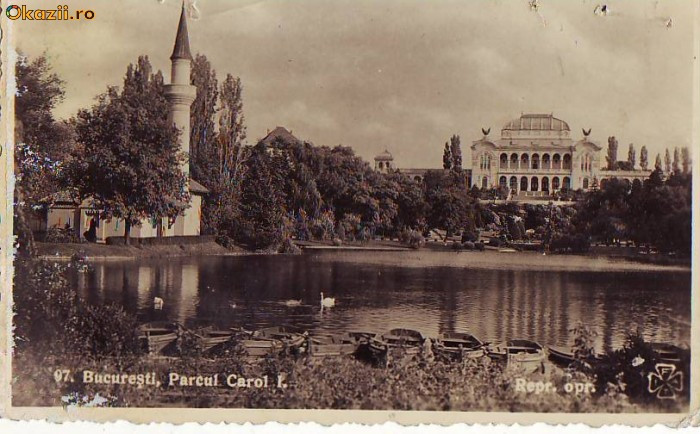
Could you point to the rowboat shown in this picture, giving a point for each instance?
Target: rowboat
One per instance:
(525, 354)
(456, 345)
(272, 340)
(331, 345)
(410, 341)
(210, 337)
(155, 336)
(667, 353)
(566, 356)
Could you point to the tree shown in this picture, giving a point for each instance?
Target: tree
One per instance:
(232, 129)
(612, 153)
(447, 157)
(203, 155)
(261, 203)
(42, 144)
(657, 162)
(456, 151)
(447, 199)
(632, 156)
(685, 157)
(667, 162)
(644, 158)
(130, 162)
(676, 162)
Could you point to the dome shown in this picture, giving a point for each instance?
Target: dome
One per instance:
(537, 122)
(384, 156)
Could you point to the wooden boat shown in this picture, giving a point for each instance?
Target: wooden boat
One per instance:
(271, 340)
(410, 341)
(210, 337)
(456, 345)
(331, 345)
(523, 353)
(155, 336)
(667, 353)
(565, 356)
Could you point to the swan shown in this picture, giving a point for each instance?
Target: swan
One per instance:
(158, 303)
(327, 301)
(292, 303)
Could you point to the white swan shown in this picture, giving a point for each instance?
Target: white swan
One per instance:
(327, 302)
(292, 303)
(158, 303)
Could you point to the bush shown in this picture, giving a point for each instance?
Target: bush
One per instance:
(412, 238)
(288, 247)
(469, 245)
(337, 242)
(61, 235)
(480, 246)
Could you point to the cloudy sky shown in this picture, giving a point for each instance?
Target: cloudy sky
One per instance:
(403, 75)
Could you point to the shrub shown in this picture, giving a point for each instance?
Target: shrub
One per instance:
(61, 235)
(469, 245)
(337, 242)
(411, 238)
(480, 246)
(288, 247)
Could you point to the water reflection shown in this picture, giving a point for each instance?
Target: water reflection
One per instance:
(493, 303)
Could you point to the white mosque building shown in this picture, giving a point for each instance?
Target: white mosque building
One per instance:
(180, 93)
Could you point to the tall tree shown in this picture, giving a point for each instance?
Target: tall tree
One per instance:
(456, 151)
(130, 160)
(657, 162)
(676, 162)
(644, 158)
(667, 162)
(612, 153)
(261, 204)
(232, 129)
(632, 156)
(43, 144)
(447, 157)
(685, 157)
(203, 163)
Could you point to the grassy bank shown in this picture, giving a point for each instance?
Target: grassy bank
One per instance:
(104, 251)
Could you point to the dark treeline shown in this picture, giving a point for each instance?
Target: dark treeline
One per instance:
(120, 154)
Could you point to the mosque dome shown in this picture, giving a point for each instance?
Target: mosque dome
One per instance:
(536, 122)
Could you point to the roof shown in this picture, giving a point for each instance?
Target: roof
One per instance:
(279, 133)
(384, 156)
(182, 40)
(537, 122)
(197, 188)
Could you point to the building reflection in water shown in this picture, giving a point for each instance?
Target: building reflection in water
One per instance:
(494, 304)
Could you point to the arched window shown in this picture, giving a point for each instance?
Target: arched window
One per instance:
(513, 161)
(567, 161)
(585, 183)
(545, 184)
(534, 184)
(535, 161)
(504, 161)
(567, 183)
(546, 163)
(513, 183)
(485, 182)
(556, 161)
(381, 165)
(524, 161)
(503, 182)
(555, 183)
(523, 183)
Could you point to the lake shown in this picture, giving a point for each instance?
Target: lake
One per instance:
(496, 296)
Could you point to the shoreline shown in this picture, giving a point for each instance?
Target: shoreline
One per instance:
(432, 255)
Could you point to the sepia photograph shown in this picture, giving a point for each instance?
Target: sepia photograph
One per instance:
(453, 206)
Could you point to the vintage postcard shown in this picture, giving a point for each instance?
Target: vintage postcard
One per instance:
(350, 211)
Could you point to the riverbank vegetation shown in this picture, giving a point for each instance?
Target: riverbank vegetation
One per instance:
(282, 190)
(58, 336)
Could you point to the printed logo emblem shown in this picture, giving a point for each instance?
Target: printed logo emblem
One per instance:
(666, 381)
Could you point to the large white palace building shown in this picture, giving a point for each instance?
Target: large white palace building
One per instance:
(535, 156)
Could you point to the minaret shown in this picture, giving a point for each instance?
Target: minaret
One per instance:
(180, 92)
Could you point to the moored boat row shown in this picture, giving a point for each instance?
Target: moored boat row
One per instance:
(451, 346)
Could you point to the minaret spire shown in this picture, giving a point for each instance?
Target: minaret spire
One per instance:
(182, 40)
